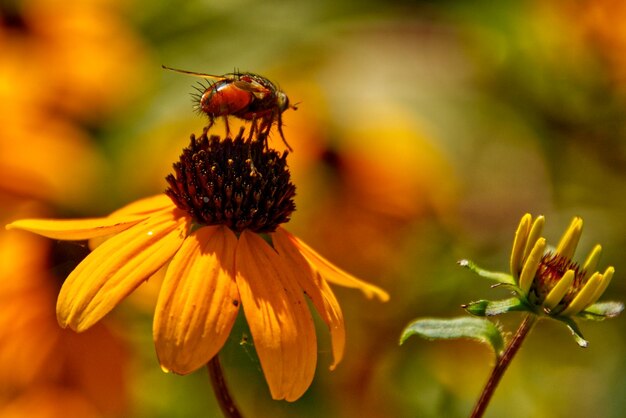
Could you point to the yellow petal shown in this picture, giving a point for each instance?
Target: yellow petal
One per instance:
(559, 290)
(333, 273)
(606, 279)
(569, 241)
(534, 234)
(584, 296)
(279, 318)
(519, 243)
(591, 263)
(198, 302)
(145, 206)
(76, 229)
(531, 264)
(336, 324)
(317, 290)
(142, 207)
(117, 267)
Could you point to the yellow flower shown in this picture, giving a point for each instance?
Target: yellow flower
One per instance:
(551, 280)
(549, 283)
(44, 370)
(75, 53)
(219, 227)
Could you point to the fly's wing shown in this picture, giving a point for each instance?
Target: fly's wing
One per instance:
(253, 86)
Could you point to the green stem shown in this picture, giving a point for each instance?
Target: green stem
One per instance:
(225, 401)
(502, 364)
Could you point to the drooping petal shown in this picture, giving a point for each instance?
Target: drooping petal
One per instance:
(117, 267)
(279, 318)
(145, 206)
(77, 229)
(333, 273)
(316, 288)
(198, 302)
(336, 325)
(519, 243)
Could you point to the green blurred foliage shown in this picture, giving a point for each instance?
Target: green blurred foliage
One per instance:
(424, 131)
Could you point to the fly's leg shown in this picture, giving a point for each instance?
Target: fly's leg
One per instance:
(280, 131)
(253, 127)
(211, 123)
(227, 127)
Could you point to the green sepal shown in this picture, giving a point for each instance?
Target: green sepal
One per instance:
(576, 333)
(492, 275)
(495, 307)
(513, 288)
(478, 329)
(602, 310)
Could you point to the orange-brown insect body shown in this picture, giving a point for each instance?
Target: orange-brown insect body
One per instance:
(224, 98)
(246, 96)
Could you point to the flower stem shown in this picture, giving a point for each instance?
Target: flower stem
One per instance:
(225, 401)
(502, 364)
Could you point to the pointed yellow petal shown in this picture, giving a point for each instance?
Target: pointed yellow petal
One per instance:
(333, 273)
(279, 318)
(198, 302)
(117, 267)
(591, 263)
(336, 324)
(519, 243)
(606, 279)
(569, 241)
(317, 290)
(559, 290)
(534, 235)
(76, 229)
(531, 265)
(584, 296)
(146, 206)
(143, 207)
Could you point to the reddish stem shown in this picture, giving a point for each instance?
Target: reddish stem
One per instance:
(502, 364)
(225, 401)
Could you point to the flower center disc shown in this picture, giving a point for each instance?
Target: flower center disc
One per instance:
(236, 182)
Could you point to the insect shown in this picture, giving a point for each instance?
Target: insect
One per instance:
(244, 95)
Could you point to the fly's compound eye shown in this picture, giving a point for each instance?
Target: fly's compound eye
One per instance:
(282, 101)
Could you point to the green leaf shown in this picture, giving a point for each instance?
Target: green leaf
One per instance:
(495, 307)
(578, 336)
(492, 275)
(478, 329)
(602, 310)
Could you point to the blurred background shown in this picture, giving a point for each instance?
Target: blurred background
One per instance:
(424, 131)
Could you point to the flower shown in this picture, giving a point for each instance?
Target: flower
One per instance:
(549, 282)
(75, 55)
(44, 370)
(218, 225)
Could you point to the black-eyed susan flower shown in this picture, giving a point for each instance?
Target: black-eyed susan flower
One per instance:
(219, 227)
(46, 371)
(548, 281)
